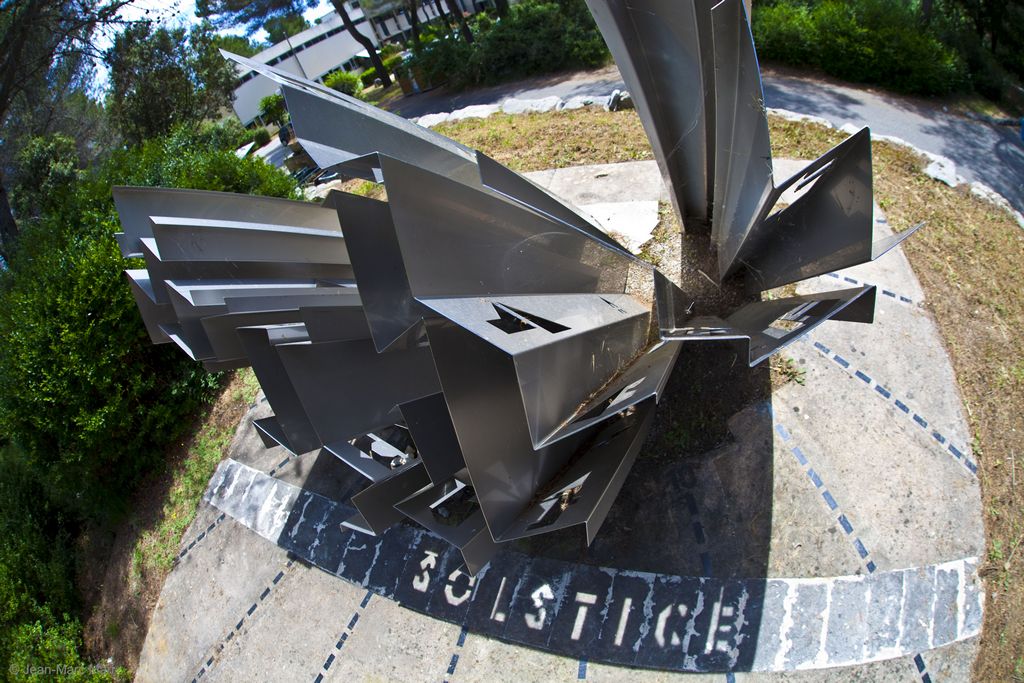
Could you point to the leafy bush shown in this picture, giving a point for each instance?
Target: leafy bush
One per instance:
(344, 82)
(261, 136)
(36, 581)
(867, 41)
(987, 74)
(228, 134)
(82, 391)
(391, 63)
(46, 167)
(273, 110)
(785, 32)
(389, 50)
(536, 37)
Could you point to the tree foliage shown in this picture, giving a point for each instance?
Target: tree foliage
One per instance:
(247, 14)
(82, 391)
(160, 77)
(919, 46)
(344, 82)
(284, 26)
(273, 110)
(47, 167)
(239, 45)
(42, 44)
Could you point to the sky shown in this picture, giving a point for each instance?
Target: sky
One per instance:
(182, 13)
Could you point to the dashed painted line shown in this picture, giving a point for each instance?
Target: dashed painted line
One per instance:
(699, 534)
(277, 468)
(895, 296)
(241, 622)
(827, 498)
(844, 522)
(887, 394)
(187, 549)
(454, 661)
(922, 669)
(333, 656)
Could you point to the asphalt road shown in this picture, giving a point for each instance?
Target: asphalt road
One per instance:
(991, 154)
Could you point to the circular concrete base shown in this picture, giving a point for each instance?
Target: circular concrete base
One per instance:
(829, 522)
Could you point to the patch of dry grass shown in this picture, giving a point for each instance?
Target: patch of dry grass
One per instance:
(533, 142)
(970, 261)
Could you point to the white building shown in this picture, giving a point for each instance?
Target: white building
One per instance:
(326, 47)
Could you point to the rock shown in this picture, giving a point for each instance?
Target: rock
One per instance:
(608, 103)
(619, 100)
(580, 101)
(474, 111)
(514, 106)
(431, 120)
(990, 195)
(942, 169)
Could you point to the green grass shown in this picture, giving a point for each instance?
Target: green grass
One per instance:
(157, 547)
(785, 370)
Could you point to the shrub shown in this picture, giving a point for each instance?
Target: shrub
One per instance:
(82, 391)
(261, 136)
(866, 41)
(344, 82)
(367, 77)
(273, 110)
(389, 50)
(36, 580)
(228, 134)
(785, 33)
(391, 63)
(536, 37)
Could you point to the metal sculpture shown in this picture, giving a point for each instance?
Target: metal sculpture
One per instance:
(481, 353)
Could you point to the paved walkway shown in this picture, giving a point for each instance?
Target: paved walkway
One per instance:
(985, 153)
(838, 525)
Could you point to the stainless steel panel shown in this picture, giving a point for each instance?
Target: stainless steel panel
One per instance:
(204, 239)
(430, 425)
(467, 242)
(562, 347)
(379, 267)
(661, 56)
(376, 503)
(585, 491)
(772, 325)
(258, 343)
(348, 389)
(135, 205)
(743, 156)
